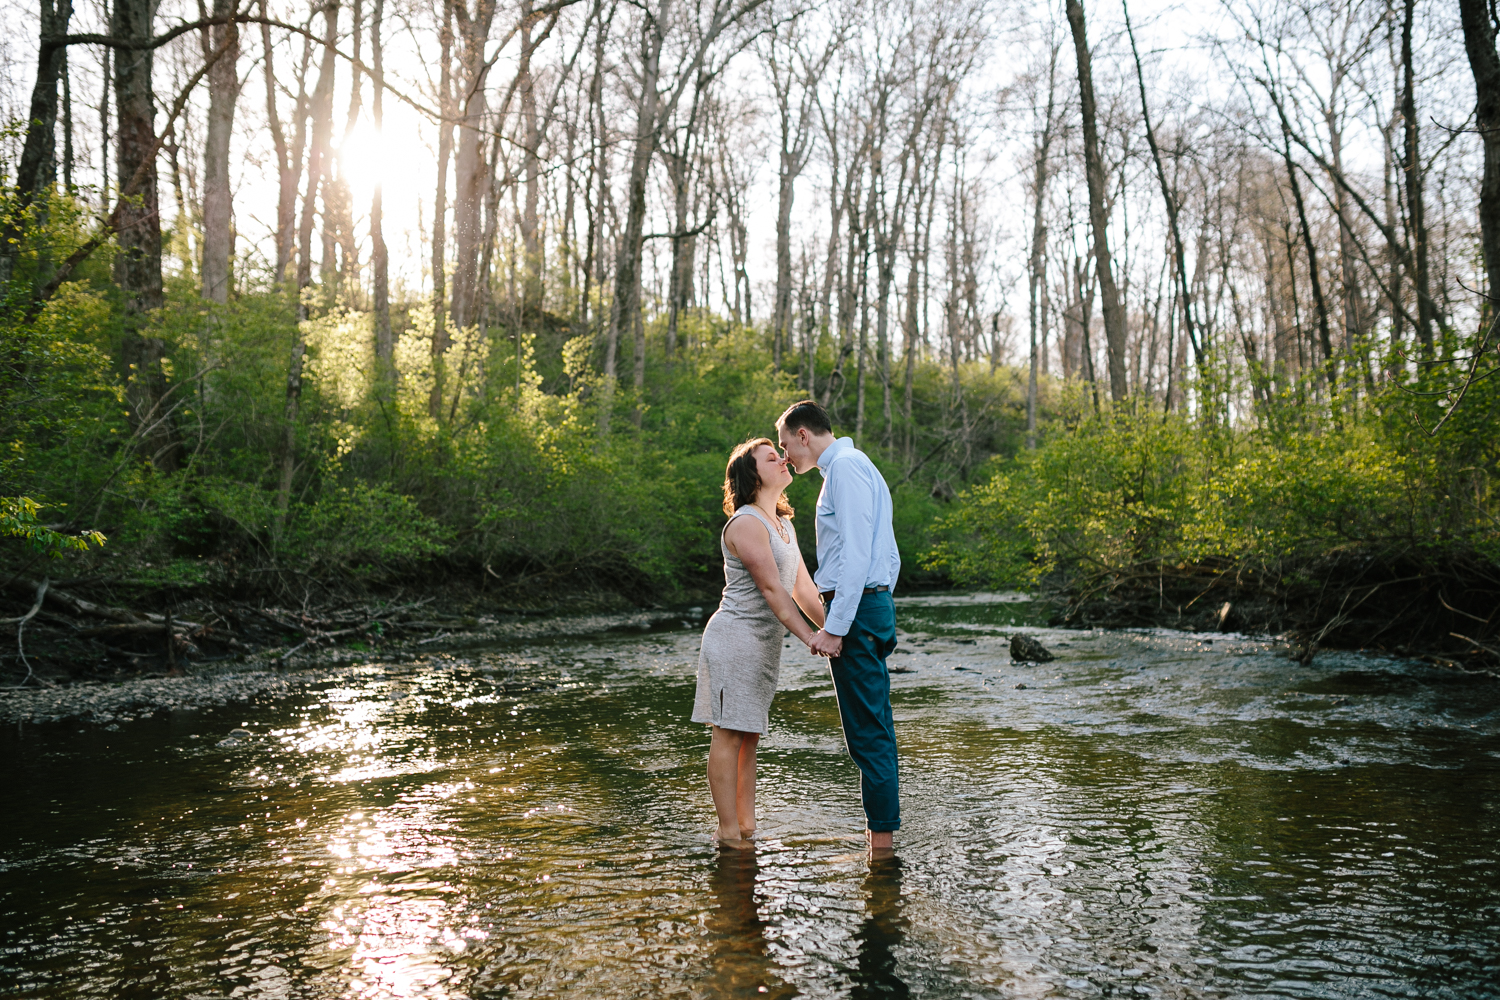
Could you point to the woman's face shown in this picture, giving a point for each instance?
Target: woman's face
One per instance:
(771, 467)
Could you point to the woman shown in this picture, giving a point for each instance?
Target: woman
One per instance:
(765, 582)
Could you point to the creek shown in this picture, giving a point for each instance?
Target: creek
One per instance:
(1153, 814)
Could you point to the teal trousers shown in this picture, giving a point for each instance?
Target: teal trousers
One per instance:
(864, 694)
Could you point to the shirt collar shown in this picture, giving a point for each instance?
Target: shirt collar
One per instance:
(834, 450)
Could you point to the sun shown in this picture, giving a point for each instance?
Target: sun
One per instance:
(397, 157)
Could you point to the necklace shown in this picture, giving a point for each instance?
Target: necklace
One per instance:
(776, 523)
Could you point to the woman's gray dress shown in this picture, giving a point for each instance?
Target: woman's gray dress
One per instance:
(741, 657)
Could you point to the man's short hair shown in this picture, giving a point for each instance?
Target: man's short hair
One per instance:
(807, 414)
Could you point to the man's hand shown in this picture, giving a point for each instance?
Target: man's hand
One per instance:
(824, 644)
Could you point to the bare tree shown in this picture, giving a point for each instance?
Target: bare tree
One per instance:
(1480, 27)
(696, 32)
(441, 341)
(288, 156)
(385, 341)
(1114, 308)
(218, 209)
(795, 74)
(1042, 136)
(321, 114)
(37, 170)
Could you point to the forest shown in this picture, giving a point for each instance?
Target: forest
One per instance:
(1181, 314)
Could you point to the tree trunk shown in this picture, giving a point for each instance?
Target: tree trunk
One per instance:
(338, 199)
(1169, 198)
(603, 203)
(1479, 41)
(138, 234)
(440, 341)
(106, 69)
(1320, 304)
(1353, 295)
(385, 342)
(885, 275)
(289, 435)
(470, 165)
(862, 360)
(678, 169)
(37, 171)
(531, 166)
(594, 207)
(1114, 309)
(67, 117)
(1411, 169)
(781, 308)
(223, 92)
(1037, 270)
(288, 161)
(791, 158)
(145, 395)
(909, 324)
(317, 158)
(625, 308)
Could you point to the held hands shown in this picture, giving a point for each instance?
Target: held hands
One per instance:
(824, 644)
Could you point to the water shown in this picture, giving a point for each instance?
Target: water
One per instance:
(1154, 814)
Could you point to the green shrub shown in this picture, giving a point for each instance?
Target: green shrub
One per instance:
(1121, 491)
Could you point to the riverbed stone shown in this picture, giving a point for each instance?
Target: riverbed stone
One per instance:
(1026, 649)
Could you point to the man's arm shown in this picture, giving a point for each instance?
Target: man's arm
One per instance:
(854, 506)
(805, 593)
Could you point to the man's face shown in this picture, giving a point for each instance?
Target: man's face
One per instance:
(797, 448)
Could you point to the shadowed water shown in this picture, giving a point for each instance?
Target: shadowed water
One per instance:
(1154, 814)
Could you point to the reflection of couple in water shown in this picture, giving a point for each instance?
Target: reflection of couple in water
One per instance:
(767, 591)
(741, 955)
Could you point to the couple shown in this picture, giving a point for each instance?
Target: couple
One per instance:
(766, 582)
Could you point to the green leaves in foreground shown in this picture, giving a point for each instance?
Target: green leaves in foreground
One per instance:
(18, 519)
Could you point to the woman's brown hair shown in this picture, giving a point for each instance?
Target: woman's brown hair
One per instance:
(742, 481)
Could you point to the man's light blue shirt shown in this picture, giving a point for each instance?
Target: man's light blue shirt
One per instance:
(856, 543)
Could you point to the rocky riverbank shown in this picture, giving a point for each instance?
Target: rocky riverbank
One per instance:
(279, 671)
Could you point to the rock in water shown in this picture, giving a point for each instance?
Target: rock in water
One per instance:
(1025, 649)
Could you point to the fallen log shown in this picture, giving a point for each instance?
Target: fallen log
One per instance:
(123, 628)
(77, 605)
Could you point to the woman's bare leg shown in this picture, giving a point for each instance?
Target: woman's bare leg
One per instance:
(745, 799)
(723, 783)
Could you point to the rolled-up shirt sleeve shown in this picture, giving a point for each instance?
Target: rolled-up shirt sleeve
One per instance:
(853, 503)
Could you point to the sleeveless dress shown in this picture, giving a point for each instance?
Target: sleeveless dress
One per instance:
(740, 661)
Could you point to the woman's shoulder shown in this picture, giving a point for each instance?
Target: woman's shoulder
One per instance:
(738, 518)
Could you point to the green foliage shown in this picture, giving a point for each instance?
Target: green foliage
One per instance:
(1122, 490)
(511, 452)
(18, 519)
(362, 523)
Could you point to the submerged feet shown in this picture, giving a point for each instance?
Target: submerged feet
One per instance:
(733, 840)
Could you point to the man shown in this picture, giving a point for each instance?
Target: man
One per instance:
(857, 569)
